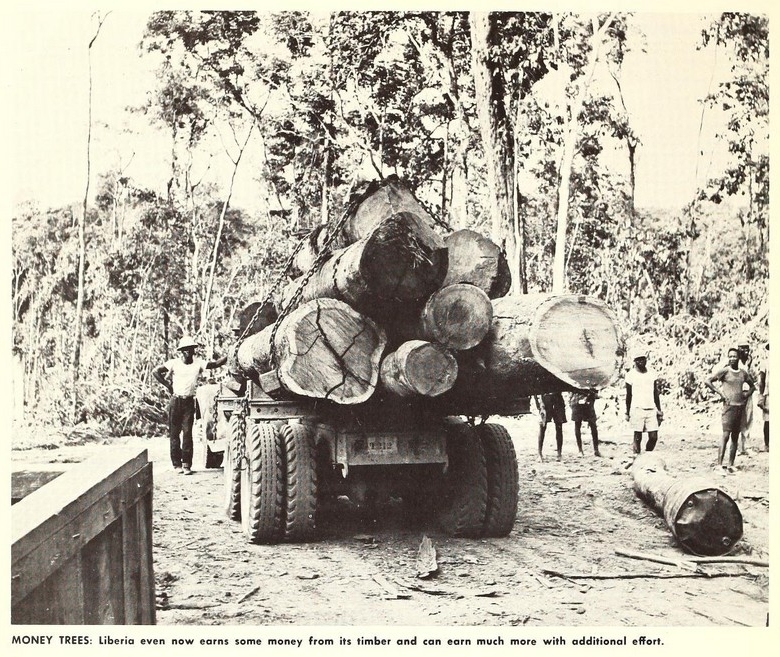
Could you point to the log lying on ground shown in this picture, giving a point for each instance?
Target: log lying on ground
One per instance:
(419, 368)
(324, 349)
(473, 258)
(388, 266)
(537, 344)
(702, 517)
(382, 200)
(456, 316)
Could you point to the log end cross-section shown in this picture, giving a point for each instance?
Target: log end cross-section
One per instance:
(419, 368)
(577, 339)
(327, 350)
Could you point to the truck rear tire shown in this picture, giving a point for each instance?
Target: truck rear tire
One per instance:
(232, 471)
(300, 521)
(502, 480)
(262, 484)
(464, 494)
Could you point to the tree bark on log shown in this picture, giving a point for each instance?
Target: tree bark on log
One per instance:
(382, 200)
(473, 258)
(456, 316)
(324, 349)
(419, 368)
(702, 517)
(537, 344)
(374, 274)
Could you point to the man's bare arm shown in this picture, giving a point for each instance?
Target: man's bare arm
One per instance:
(161, 373)
(217, 362)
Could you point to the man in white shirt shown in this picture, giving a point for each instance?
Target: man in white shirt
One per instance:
(643, 402)
(183, 374)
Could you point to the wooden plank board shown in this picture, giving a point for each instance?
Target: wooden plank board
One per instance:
(49, 508)
(33, 565)
(103, 578)
(145, 526)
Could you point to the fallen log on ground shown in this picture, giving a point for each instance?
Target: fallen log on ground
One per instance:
(701, 516)
(473, 258)
(419, 368)
(324, 349)
(537, 344)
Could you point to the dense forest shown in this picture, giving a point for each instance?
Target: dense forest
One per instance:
(513, 124)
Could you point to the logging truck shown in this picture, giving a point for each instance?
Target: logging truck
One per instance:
(391, 335)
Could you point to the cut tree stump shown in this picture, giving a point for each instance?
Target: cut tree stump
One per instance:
(473, 258)
(419, 368)
(324, 349)
(702, 517)
(537, 344)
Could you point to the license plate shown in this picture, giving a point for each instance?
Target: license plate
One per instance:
(388, 445)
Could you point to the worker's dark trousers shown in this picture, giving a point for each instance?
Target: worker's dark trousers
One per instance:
(181, 415)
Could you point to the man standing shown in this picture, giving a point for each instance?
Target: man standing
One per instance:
(552, 409)
(643, 402)
(735, 389)
(183, 374)
(583, 410)
(763, 403)
(745, 362)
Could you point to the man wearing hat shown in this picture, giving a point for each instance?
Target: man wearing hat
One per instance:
(180, 377)
(643, 402)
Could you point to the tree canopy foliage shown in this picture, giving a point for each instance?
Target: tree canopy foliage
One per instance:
(493, 119)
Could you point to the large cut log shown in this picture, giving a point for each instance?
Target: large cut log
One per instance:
(456, 316)
(473, 258)
(702, 517)
(389, 266)
(537, 344)
(419, 368)
(382, 200)
(254, 317)
(324, 349)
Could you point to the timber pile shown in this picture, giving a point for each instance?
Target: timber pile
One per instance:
(397, 311)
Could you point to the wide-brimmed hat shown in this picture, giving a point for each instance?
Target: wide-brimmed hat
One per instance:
(639, 352)
(187, 342)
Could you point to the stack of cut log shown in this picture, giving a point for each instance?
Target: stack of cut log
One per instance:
(400, 311)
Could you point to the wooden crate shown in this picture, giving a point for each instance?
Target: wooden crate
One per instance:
(82, 545)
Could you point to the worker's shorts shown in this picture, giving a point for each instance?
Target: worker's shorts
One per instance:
(583, 413)
(644, 419)
(731, 418)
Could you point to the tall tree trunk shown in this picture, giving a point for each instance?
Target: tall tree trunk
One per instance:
(82, 249)
(567, 158)
(496, 132)
(204, 312)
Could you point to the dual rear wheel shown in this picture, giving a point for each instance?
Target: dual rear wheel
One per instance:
(479, 497)
(273, 491)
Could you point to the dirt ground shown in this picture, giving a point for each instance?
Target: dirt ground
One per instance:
(572, 516)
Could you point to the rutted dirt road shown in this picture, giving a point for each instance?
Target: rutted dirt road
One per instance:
(572, 515)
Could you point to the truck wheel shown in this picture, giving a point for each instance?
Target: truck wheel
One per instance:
(502, 483)
(232, 472)
(464, 494)
(301, 483)
(262, 484)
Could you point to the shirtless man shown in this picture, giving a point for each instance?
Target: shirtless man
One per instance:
(736, 386)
